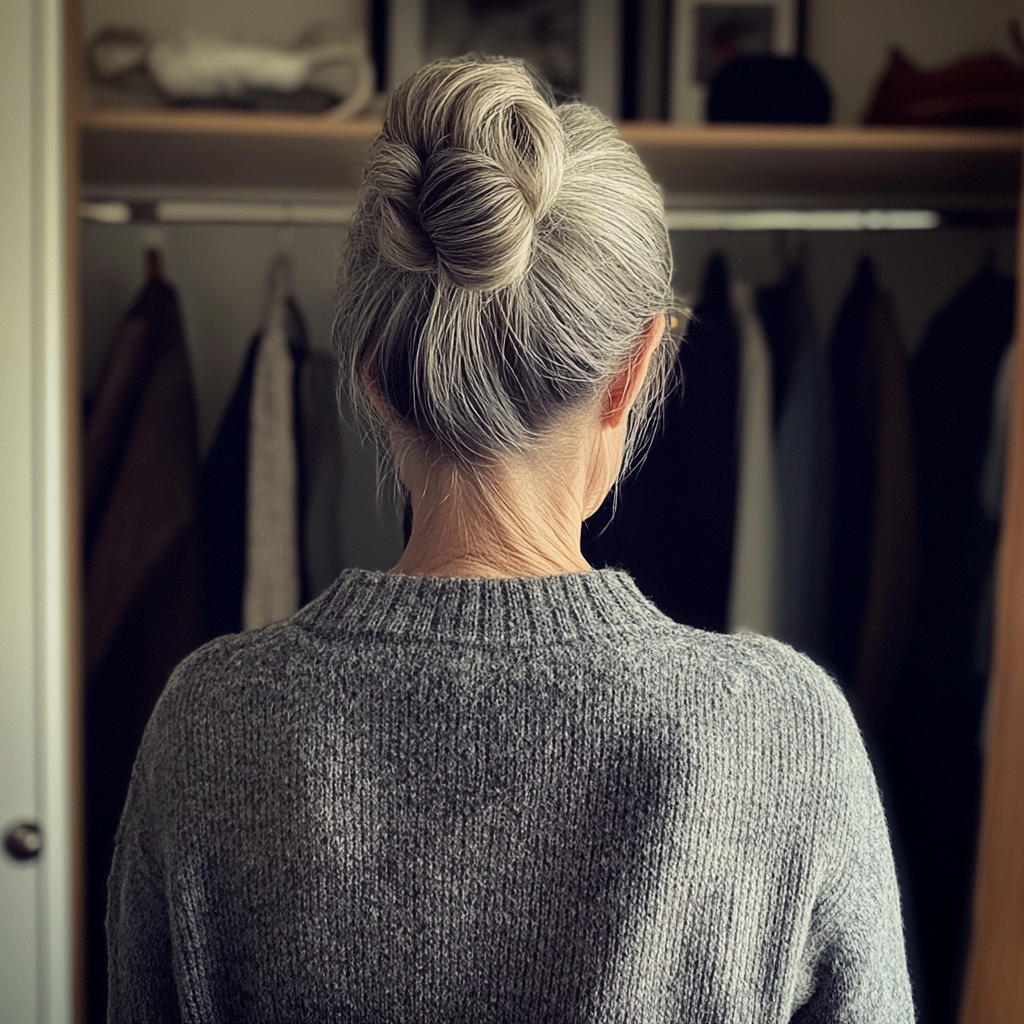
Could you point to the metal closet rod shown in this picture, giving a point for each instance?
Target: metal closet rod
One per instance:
(187, 211)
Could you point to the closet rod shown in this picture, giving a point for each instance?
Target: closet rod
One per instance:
(181, 211)
(185, 211)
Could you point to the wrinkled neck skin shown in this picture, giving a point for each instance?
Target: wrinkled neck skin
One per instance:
(519, 518)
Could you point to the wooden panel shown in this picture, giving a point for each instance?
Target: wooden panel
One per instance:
(832, 165)
(953, 168)
(74, 90)
(169, 121)
(994, 992)
(205, 148)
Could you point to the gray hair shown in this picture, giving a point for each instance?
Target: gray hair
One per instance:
(504, 259)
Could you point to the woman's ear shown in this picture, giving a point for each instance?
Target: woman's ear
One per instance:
(381, 407)
(626, 384)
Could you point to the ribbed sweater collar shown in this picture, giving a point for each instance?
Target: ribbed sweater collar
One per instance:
(570, 608)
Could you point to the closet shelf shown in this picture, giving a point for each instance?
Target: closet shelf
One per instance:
(211, 149)
(831, 166)
(697, 165)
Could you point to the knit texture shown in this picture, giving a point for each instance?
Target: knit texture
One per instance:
(518, 800)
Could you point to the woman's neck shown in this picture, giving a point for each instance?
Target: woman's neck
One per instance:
(497, 525)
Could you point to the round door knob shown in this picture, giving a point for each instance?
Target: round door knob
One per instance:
(23, 841)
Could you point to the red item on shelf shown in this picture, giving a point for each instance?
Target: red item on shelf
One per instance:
(984, 90)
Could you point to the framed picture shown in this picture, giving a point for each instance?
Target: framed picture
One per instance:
(707, 34)
(575, 44)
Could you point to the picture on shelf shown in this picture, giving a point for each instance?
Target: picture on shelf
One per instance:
(574, 44)
(708, 34)
(544, 32)
(727, 32)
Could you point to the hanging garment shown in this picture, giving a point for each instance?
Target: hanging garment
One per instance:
(803, 460)
(873, 541)
(222, 491)
(934, 718)
(785, 320)
(892, 567)
(991, 496)
(273, 561)
(994, 464)
(299, 524)
(853, 460)
(674, 525)
(141, 568)
(753, 599)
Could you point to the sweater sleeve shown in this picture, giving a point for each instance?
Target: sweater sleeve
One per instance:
(855, 955)
(139, 950)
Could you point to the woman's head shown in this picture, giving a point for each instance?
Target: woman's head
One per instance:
(505, 259)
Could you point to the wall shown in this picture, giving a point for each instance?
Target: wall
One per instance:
(263, 20)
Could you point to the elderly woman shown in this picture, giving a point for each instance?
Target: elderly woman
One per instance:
(493, 784)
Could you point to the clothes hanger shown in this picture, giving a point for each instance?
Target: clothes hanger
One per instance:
(286, 238)
(281, 286)
(153, 241)
(280, 277)
(790, 250)
(989, 255)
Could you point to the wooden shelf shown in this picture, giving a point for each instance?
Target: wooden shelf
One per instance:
(184, 121)
(951, 168)
(731, 164)
(225, 149)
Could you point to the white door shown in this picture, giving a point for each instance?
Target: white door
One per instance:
(35, 706)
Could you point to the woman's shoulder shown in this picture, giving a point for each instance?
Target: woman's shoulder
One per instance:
(758, 670)
(768, 672)
(228, 660)
(757, 692)
(228, 677)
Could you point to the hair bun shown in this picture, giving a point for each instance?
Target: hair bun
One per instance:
(396, 175)
(470, 160)
(478, 220)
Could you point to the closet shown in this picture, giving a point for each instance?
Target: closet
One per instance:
(221, 194)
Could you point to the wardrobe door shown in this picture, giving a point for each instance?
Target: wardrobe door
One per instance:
(994, 992)
(35, 718)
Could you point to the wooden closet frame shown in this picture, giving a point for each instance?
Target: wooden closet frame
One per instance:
(994, 989)
(156, 150)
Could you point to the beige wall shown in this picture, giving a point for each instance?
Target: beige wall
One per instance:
(272, 21)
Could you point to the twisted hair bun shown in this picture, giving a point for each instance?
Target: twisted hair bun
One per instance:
(466, 166)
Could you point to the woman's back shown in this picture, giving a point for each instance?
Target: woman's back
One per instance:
(428, 799)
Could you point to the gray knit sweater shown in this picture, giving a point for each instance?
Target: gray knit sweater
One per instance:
(521, 800)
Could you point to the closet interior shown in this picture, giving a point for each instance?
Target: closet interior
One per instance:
(234, 221)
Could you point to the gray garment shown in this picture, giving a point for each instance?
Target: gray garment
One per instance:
(519, 800)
